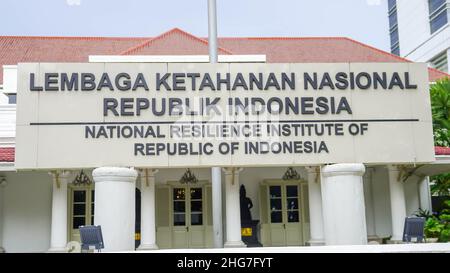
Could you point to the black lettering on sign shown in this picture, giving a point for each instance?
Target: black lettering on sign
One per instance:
(33, 86)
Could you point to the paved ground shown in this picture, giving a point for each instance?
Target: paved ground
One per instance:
(394, 248)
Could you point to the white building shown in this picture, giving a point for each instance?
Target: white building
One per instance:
(41, 209)
(420, 32)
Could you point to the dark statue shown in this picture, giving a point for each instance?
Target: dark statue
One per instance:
(251, 240)
(246, 205)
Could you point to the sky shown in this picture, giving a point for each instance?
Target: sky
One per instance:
(362, 20)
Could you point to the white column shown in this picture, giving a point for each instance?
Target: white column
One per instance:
(368, 197)
(233, 210)
(315, 207)
(2, 189)
(148, 222)
(343, 204)
(398, 204)
(115, 206)
(216, 181)
(424, 193)
(58, 236)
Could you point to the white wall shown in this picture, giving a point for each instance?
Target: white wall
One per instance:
(413, 24)
(381, 202)
(27, 202)
(416, 41)
(249, 177)
(382, 207)
(2, 201)
(412, 196)
(7, 125)
(27, 212)
(438, 43)
(10, 78)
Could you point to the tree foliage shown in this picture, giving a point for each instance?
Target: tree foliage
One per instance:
(440, 107)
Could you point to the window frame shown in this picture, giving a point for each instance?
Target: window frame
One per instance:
(440, 61)
(434, 14)
(393, 27)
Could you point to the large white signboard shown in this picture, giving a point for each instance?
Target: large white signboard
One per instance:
(81, 115)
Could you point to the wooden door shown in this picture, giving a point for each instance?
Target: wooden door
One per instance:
(284, 214)
(81, 209)
(188, 217)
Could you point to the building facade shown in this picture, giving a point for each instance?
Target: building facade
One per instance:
(41, 210)
(419, 31)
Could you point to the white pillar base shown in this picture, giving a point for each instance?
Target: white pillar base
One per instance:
(58, 250)
(147, 247)
(395, 242)
(343, 204)
(315, 243)
(234, 244)
(374, 238)
(115, 206)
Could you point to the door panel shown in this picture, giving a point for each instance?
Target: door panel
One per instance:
(196, 236)
(179, 218)
(195, 203)
(81, 210)
(277, 232)
(180, 237)
(196, 228)
(277, 235)
(284, 215)
(293, 227)
(162, 207)
(188, 217)
(164, 233)
(293, 235)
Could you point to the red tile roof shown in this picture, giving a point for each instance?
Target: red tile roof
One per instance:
(7, 154)
(177, 41)
(15, 49)
(314, 50)
(442, 150)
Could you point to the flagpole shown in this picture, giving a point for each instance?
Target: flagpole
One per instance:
(216, 173)
(212, 31)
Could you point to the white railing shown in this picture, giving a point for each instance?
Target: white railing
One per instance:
(7, 125)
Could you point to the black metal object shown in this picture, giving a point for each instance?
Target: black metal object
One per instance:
(252, 239)
(245, 204)
(82, 179)
(137, 225)
(188, 178)
(249, 227)
(291, 174)
(414, 228)
(91, 236)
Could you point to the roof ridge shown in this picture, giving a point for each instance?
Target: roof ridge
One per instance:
(439, 71)
(378, 50)
(71, 37)
(393, 55)
(284, 38)
(165, 34)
